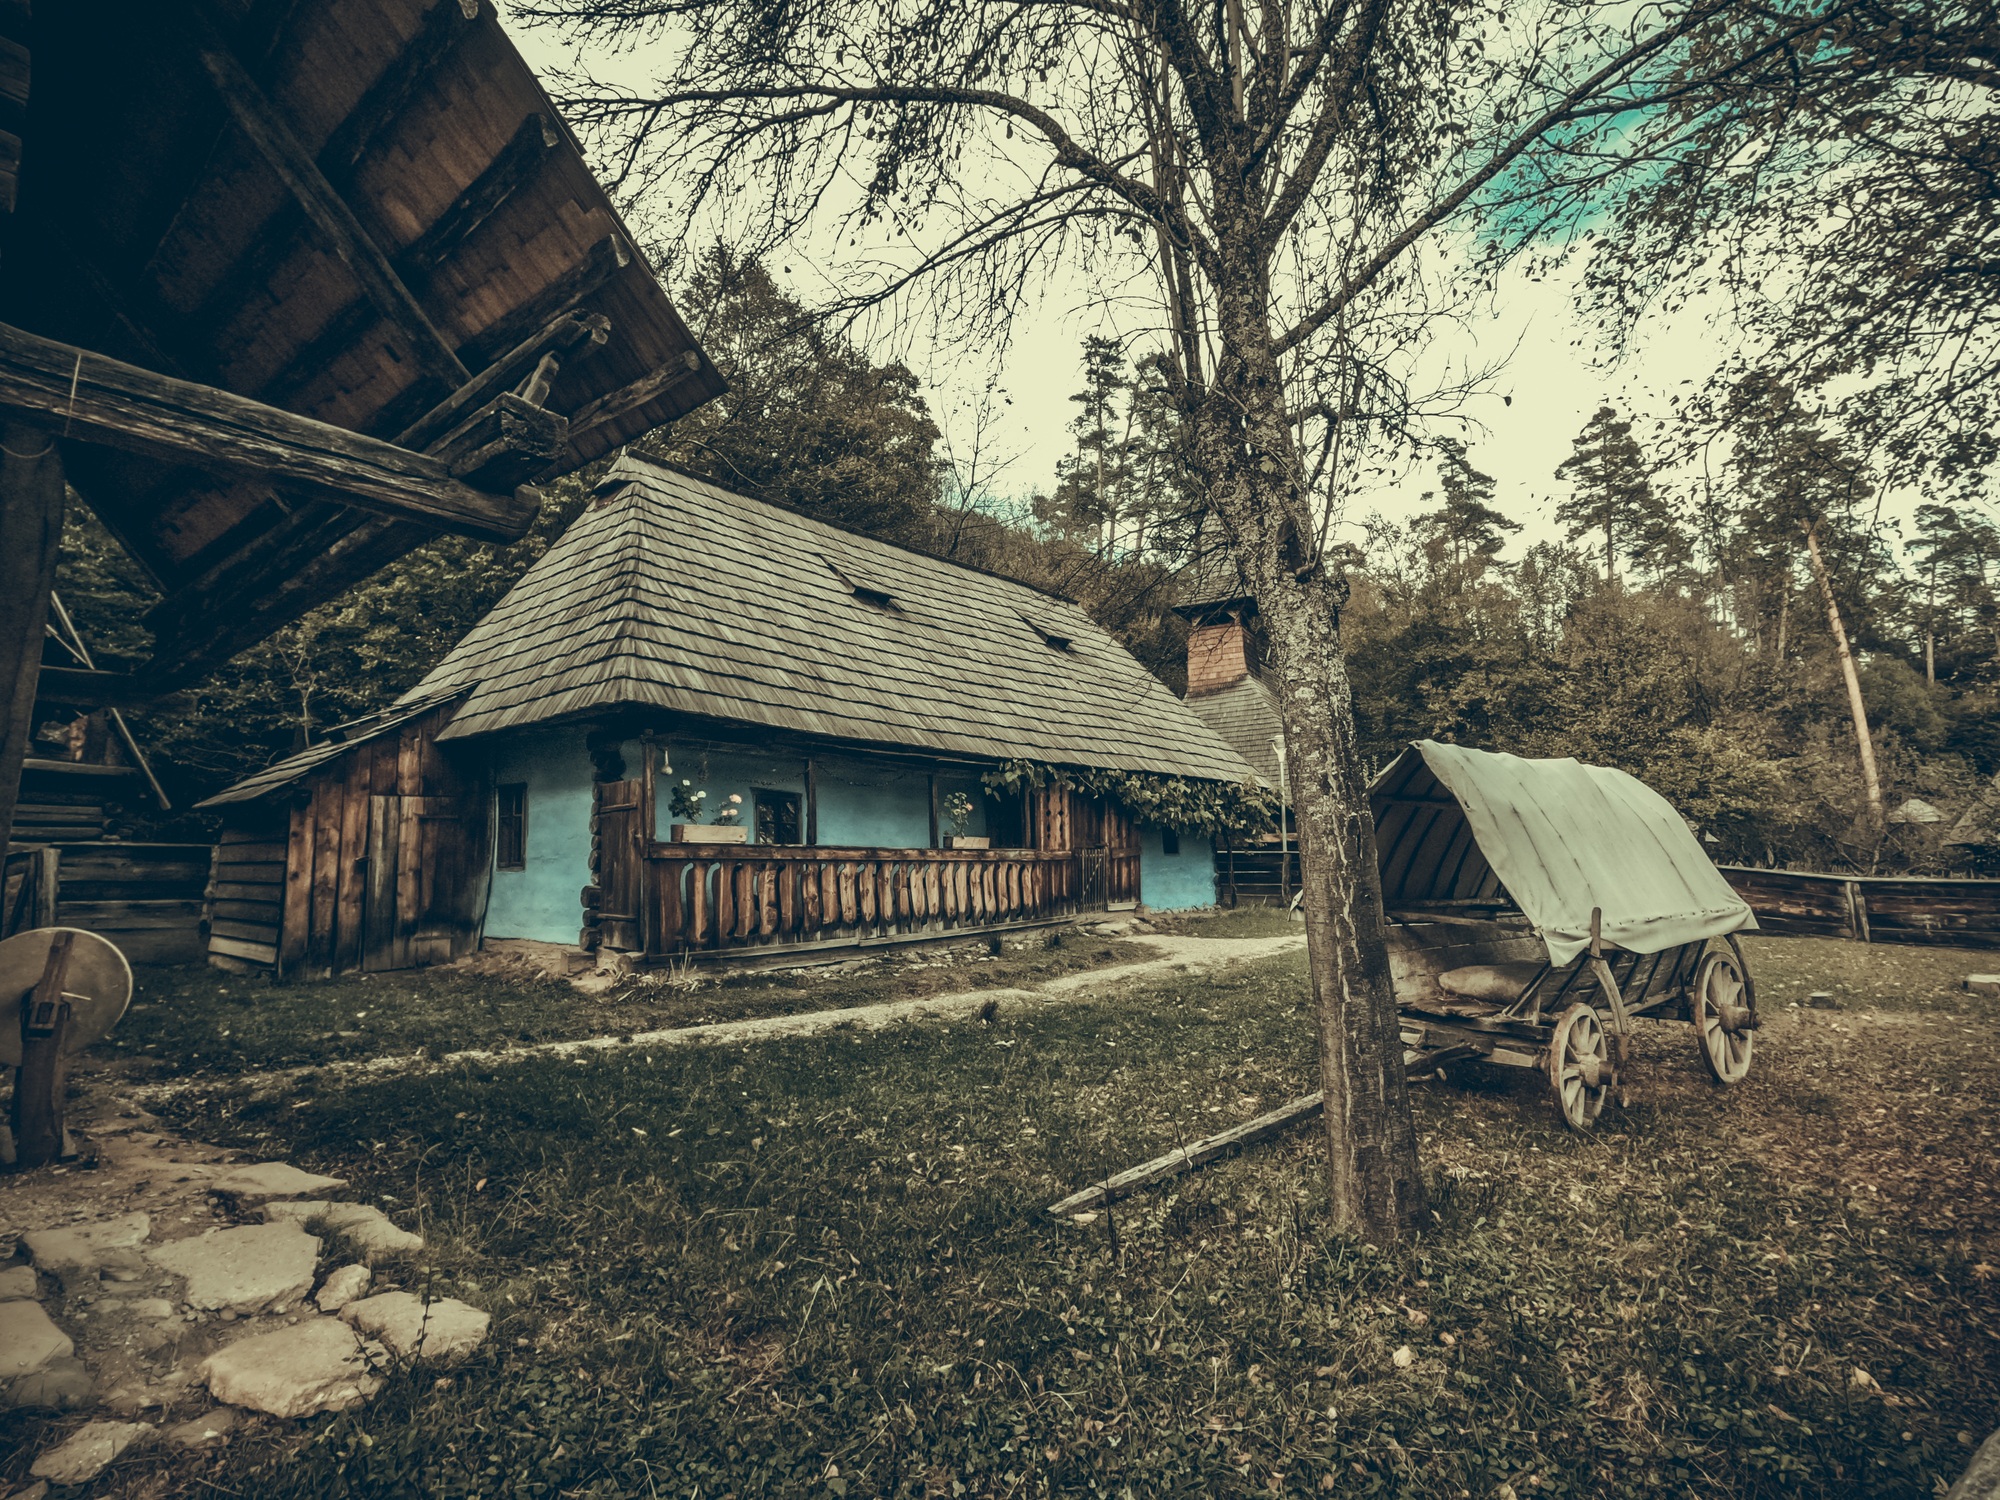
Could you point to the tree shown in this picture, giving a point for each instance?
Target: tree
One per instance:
(1263, 171)
(1092, 484)
(1611, 491)
(1798, 477)
(809, 420)
(1837, 188)
(1466, 530)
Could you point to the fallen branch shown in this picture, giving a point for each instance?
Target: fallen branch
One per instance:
(1187, 1158)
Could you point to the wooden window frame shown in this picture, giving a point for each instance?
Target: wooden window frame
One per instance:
(500, 823)
(778, 794)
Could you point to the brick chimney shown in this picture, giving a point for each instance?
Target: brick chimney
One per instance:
(1218, 657)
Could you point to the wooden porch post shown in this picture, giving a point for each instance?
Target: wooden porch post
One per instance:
(812, 806)
(31, 520)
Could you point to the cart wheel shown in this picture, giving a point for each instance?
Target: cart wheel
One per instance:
(1580, 1066)
(1722, 1023)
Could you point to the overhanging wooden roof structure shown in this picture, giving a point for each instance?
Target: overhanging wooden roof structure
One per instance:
(675, 594)
(290, 287)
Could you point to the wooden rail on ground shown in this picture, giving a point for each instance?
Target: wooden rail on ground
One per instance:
(734, 897)
(1872, 908)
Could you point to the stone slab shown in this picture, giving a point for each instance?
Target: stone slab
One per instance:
(252, 1268)
(19, 1281)
(363, 1229)
(211, 1427)
(89, 1449)
(272, 1179)
(29, 1340)
(63, 1384)
(1983, 984)
(84, 1246)
(308, 1367)
(445, 1332)
(342, 1287)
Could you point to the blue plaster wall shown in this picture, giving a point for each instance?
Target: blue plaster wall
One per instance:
(542, 901)
(1174, 882)
(861, 805)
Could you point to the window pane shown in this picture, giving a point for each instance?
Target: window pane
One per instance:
(777, 817)
(510, 826)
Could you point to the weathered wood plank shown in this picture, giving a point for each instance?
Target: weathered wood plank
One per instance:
(267, 130)
(102, 400)
(1185, 1158)
(298, 890)
(326, 810)
(256, 953)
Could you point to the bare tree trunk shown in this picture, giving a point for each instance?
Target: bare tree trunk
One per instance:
(1871, 782)
(1930, 657)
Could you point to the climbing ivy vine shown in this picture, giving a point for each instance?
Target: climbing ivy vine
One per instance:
(1239, 809)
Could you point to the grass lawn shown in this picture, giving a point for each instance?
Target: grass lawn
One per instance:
(200, 1020)
(1230, 922)
(819, 1266)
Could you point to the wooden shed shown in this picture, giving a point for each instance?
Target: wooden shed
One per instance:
(369, 851)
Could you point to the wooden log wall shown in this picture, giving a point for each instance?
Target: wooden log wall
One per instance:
(1872, 909)
(246, 891)
(715, 897)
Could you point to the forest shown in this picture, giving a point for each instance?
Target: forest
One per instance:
(1685, 637)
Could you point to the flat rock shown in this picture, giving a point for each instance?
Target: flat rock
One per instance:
(444, 1332)
(342, 1287)
(19, 1281)
(82, 1247)
(248, 1269)
(37, 1491)
(28, 1340)
(88, 1450)
(213, 1426)
(63, 1384)
(363, 1229)
(309, 1367)
(1983, 984)
(271, 1179)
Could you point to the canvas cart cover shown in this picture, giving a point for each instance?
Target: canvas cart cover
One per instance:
(1559, 837)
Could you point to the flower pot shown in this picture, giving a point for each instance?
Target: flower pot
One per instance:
(708, 833)
(966, 841)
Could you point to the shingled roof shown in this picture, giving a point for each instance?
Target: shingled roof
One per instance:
(1245, 717)
(676, 594)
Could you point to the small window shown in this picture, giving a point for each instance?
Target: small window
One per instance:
(1056, 639)
(510, 837)
(777, 817)
(1170, 841)
(859, 583)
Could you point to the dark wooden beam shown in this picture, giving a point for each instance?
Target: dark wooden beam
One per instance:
(31, 521)
(507, 441)
(516, 165)
(605, 260)
(93, 399)
(265, 127)
(570, 335)
(79, 687)
(629, 398)
(228, 622)
(444, 25)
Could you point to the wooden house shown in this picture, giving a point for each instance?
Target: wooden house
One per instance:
(284, 290)
(844, 693)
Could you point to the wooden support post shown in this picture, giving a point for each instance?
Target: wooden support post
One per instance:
(43, 1017)
(812, 806)
(934, 810)
(31, 521)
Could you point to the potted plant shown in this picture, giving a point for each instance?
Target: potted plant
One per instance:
(958, 814)
(688, 827)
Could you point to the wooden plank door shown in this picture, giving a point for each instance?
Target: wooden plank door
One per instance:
(614, 838)
(1091, 864)
(424, 890)
(383, 944)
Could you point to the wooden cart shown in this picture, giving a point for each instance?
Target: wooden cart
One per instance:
(1538, 909)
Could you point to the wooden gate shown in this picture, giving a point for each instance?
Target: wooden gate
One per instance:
(1093, 863)
(424, 854)
(614, 865)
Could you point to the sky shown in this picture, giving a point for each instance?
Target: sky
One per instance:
(1519, 431)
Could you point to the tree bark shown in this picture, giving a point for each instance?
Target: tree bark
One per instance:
(31, 521)
(1871, 782)
(1374, 1183)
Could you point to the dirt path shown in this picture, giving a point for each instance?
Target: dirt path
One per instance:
(1190, 955)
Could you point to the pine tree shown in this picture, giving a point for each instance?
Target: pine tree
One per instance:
(1092, 482)
(1612, 493)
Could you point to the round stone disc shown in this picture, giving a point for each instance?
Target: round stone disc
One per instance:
(98, 982)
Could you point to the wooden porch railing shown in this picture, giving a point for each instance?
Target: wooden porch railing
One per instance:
(708, 897)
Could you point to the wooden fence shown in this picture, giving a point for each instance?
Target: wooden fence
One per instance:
(722, 897)
(1872, 908)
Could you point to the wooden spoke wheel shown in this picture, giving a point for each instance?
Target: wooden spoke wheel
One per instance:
(1723, 1024)
(1580, 1068)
